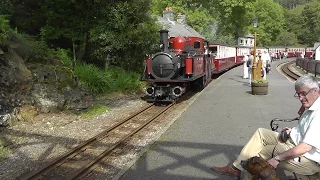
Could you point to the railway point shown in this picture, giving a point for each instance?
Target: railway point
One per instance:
(215, 127)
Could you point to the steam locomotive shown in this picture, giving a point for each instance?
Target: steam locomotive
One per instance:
(182, 63)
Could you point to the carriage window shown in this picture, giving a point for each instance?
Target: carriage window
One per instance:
(213, 50)
(196, 45)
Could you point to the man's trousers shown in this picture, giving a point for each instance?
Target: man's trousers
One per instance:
(265, 143)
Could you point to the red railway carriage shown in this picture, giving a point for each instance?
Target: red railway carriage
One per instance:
(241, 52)
(277, 51)
(182, 63)
(294, 51)
(308, 52)
(226, 56)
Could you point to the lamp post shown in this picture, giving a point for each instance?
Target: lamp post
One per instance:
(254, 66)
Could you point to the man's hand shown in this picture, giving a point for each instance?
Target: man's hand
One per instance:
(288, 130)
(273, 162)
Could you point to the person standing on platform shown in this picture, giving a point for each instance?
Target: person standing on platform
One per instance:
(265, 58)
(279, 55)
(245, 66)
(250, 63)
(301, 152)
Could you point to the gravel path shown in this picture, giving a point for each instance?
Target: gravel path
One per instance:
(45, 138)
(49, 135)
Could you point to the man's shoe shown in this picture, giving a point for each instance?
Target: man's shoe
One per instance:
(227, 170)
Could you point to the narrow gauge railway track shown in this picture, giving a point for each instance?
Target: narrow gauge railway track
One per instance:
(81, 160)
(286, 70)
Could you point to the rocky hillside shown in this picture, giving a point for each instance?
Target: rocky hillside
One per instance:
(28, 89)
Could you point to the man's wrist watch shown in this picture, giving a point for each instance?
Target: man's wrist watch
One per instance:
(277, 158)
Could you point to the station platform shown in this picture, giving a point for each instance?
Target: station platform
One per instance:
(215, 127)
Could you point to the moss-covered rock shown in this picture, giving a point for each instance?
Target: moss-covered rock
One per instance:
(47, 87)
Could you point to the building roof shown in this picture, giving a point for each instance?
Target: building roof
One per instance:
(249, 36)
(316, 45)
(176, 29)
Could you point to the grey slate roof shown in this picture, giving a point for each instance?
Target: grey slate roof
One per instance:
(316, 45)
(175, 29)
(249, 36)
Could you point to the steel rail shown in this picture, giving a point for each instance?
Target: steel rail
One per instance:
(37, 174)
(285, 69)
(89, 167)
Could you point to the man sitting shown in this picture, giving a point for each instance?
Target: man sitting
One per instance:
(301, 153)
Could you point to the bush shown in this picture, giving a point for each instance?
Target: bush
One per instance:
(33, 50)
(124, 81)
(93, 78)
(64, 57)
(4, 30)
(114, 79)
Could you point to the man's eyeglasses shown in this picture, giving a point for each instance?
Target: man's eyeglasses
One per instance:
(302, 94)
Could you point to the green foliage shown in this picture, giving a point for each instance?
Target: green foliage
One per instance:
(287, 39)
(93, 78)
(3, 150)
(294, 20)
(291, 4)
(4, 30)
(64, 57)
(95, 110)
(124, 81)
(271, 21)
(260, 81)
(311, 23)
(26, 15)
(129, 34)
(233, 16)
(6, 7)
(198, 15)
(34, 50)
(114, 79)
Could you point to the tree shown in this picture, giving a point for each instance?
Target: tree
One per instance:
(294, 19)
(271, 21)
(286, 38)
(234, 16)
(311, 23)
(4, 31)
(126, 35)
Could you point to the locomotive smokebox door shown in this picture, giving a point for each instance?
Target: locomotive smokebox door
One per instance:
(164, 65)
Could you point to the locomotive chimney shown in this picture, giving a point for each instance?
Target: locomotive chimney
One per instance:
(164, 39)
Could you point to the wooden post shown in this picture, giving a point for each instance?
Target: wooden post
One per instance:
(254, 66)
(259, 68)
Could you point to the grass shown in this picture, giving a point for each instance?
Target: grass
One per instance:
(95, 110)
(3, 150)
(114, 79)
